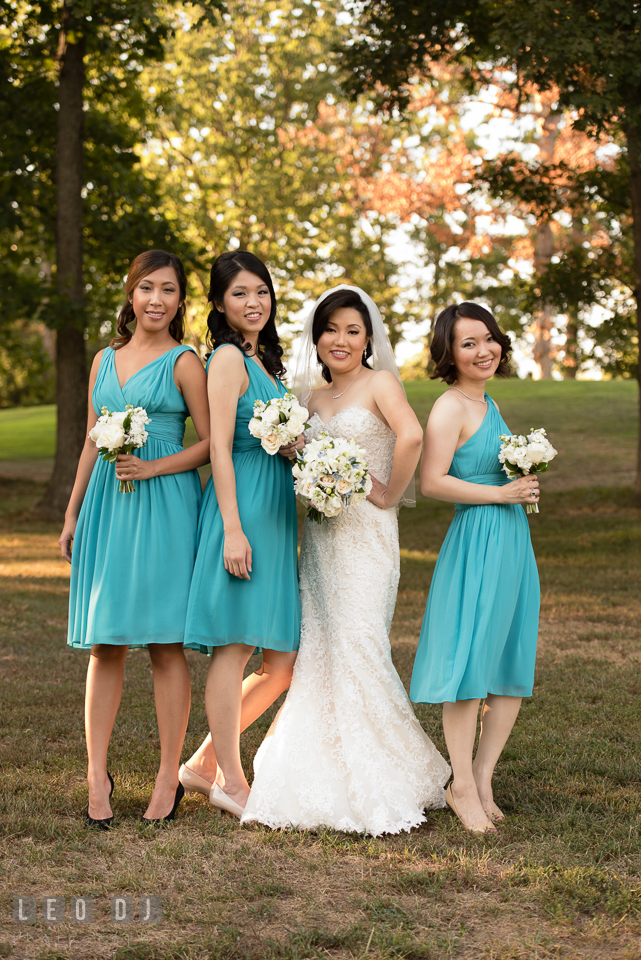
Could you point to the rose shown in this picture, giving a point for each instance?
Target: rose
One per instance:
(255, 427)
(271, 443)
(271, 414)
(111, 436)
(357, 498)
(327, 481)
(343, 487)
(305, 487)
(537, 452)
(333, 506)
(367, 486)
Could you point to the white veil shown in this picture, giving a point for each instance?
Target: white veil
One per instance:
(308, 371)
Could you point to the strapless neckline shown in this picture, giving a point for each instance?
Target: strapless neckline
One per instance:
(326, 423)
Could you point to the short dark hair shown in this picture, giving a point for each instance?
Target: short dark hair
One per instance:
(223, 270)
(441, 345)
(338, 300)
(145, 263)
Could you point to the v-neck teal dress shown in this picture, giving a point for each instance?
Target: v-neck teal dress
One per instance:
(265, 610)
(133, 553)
(481, 623)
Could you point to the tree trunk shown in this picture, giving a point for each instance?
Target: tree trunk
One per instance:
(571, 360)
(543, 323)
(71, 358)
(633, 137)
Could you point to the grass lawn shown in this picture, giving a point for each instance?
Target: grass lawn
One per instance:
(561, 880)
(593, 425)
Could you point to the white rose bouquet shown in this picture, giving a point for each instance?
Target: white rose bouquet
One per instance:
(331, 474)
(120, 432)
(523, 455)
(278, 422)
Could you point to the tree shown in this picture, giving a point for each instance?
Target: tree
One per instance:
(67, 67)
(589, 51)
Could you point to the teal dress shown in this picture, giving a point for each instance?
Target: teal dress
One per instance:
(481, 623)
(265, 610)
(133, 553)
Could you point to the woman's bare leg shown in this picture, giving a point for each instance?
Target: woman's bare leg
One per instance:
(223, 698)
(172, 693)
(102, 699)
(459, 727)
(497, 719)
(259, 691)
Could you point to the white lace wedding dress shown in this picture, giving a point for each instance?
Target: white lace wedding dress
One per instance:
(346, 750)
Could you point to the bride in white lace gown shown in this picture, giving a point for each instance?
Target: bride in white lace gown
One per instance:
(346, 751)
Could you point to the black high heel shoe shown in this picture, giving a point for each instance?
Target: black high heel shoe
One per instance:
(180, 793)
(105, 823)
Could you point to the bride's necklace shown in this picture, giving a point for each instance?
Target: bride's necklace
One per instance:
(470, 398)
(348, 385)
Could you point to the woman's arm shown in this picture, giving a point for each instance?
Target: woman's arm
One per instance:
(227, 382)
(442, 435)
(86, 464)
(190, 378)
(392, 403)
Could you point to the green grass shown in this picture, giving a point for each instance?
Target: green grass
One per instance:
(593, 424)
(561, 880)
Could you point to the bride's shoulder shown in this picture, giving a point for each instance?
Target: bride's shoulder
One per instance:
(316, 397)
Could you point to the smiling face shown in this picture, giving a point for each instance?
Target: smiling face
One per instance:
(475, 353)
(156, 299)
(247, 304)
(343, 341)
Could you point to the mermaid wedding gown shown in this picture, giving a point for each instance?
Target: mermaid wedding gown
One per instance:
(346, 750)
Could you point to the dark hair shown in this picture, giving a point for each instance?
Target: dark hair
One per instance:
(144, 264)
(223, 270)
(441, 346)
(322, 315)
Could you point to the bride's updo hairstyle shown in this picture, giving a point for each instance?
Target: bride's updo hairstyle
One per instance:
(322, 316)
(144, 264)
(223, 271)
(441, 346)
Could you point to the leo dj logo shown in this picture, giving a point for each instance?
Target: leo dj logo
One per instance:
(81, 910)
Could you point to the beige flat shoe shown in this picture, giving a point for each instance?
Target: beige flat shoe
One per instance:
(192, 782)
(449, 799)
(225, 804)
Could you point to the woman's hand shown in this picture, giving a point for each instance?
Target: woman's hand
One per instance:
(129, 467)
(378, 493)
(523, 490)
(290, 451)
(237, 555)
(67, 535)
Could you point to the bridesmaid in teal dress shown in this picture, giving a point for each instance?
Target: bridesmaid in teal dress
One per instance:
(479, 634)
(133, 553)
(244, 591)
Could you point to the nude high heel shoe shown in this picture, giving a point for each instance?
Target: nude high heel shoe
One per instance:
(193, 783)
(219, 799)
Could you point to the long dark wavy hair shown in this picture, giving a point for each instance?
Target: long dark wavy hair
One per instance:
(441, 346)
(224, 269)
(144, 264)
(322, 316)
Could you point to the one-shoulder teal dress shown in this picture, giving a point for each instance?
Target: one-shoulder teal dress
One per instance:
(481, 623)
(133, 553)
(265, 610)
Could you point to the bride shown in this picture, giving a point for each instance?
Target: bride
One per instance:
(346, 750)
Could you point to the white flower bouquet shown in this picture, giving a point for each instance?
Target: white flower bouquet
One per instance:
(521, 456)
(120, 432)
(278, 422)
(331, 474)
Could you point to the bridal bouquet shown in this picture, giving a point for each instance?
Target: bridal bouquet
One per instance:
(330, 474)
(278, 422)
(120, 432)
(523, 455)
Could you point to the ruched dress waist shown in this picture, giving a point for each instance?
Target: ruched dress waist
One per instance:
(169, 427)
(497, 479)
